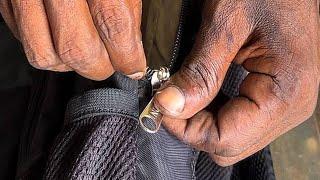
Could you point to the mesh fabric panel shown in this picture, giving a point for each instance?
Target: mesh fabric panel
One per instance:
(98, 140)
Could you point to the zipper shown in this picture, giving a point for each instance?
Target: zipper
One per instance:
(180, 31)
(150, 119)
(177, 42)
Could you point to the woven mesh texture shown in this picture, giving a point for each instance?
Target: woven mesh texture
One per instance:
(98, 140)
(102, 147)
(101, 141)
(233, 79)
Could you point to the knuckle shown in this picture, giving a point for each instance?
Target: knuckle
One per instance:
(39, 61)
(113, 19)
(224, 161)
(204, 76)
(76, 57)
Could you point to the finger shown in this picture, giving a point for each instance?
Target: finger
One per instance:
(198, 81)
(137, 13)
(76, 39)
(119, 28)
(239, 129)
(244, 125)
(7, 14)
(34, 33)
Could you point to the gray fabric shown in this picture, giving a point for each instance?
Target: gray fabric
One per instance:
(95, 113)
(256, 167)
(207, 169)
(100, 102)
(162, 156)
(233, 80)
(98, 140)
(101, 137)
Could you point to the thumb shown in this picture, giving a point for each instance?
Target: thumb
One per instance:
(198, 81)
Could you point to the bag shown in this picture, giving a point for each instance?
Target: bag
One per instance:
(74, 128)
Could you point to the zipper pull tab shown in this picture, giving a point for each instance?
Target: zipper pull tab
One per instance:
(150, 119)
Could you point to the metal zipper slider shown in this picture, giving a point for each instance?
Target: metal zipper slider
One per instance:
(150, 119)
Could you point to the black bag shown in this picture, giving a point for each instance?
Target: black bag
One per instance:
(74, 128)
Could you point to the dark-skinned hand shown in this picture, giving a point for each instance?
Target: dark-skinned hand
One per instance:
(277, 42)
(92, 37)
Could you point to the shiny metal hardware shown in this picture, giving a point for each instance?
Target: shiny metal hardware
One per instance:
(158, 77)
(150, 119)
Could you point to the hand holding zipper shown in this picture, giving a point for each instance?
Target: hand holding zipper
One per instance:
(150, 119)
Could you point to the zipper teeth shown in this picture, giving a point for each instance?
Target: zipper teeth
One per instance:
(177, 42)
(149, 73)
(180, 30)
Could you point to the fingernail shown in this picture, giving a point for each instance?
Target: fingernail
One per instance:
(171, 99)
(137, 75)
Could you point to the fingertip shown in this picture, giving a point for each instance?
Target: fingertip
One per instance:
(136, 76)
(170, 101)
(137, 66)
(98, 74)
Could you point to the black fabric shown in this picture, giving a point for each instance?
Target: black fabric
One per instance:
(163, 156)
(95, 137)
(42, 122)
(256, 167)
(44, 119)
(234, 77)
(101, 140)
(98, 140)
(14, 66)
(15, 86)
(13, 109)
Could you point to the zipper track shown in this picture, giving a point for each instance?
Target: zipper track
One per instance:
(180, 31)
(177, 42)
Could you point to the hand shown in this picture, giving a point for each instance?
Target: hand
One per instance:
(92, 37)
(277, 42)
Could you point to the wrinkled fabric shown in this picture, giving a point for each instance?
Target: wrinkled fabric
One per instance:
(101, 139)
(98, 140)
(96, 136)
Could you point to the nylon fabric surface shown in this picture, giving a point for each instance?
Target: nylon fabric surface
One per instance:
(98, 140)
(100, 147)
(256, 167)
(233, 79)
(162, 156)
